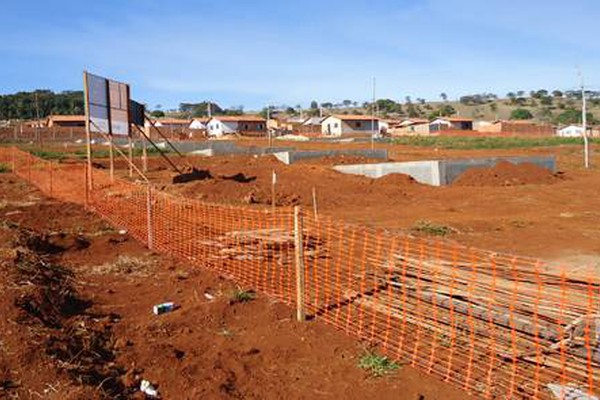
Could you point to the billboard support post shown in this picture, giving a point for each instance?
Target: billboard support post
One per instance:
(145, 148)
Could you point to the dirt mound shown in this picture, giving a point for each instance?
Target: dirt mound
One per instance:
(81, 343)
(395, 180)
(507, 174)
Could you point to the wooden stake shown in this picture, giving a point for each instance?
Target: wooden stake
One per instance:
(149, 216)
(88, 138)
(86, 199)
(111, 156)
(314, 197)
(299, 252)
(130, 148)
(273, 183)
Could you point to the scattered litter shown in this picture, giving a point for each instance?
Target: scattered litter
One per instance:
(147, 388)
(163, 308)
(123, 232)
(209, 296)
(13, 213)
(569, 392)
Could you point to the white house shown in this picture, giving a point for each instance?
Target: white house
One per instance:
(349, 125)
(231, 124)
(570, 131)
(451, 123)
(312, 121)
(198, 123)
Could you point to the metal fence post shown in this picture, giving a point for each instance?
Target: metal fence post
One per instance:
(149, 216)
(299, 253)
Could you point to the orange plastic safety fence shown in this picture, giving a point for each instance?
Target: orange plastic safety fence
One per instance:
(496, 325)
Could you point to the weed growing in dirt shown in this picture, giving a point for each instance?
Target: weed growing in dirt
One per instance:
(242, 296)
(431, 228)
(49, 155)
(124, 265)
(4, 168)
(377, 365)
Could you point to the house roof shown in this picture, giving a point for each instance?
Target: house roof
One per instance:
(413, 121)
(202, 120)
(173, 121)
(458, 119)
(239, 118)
(66, 118)
(313, 121)
(516, 122)
(350, 117)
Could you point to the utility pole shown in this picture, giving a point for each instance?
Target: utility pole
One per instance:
(586, 144)
(373, 118)
(268, 125)
(37, 114)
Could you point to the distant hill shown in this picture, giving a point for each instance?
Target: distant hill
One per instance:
(547, 109)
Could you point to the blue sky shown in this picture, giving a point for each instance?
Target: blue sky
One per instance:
(256, 52)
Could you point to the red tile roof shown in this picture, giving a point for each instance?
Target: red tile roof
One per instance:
(354, 117)
(239, 118)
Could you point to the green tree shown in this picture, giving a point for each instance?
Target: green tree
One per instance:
(444, 97)
(573, 116)
(157, 113)
(521, 113)
(314, 105)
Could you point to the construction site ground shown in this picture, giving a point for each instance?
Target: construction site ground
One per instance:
(522, 210)
(77, 322)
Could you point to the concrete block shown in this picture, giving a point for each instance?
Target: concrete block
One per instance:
(289, 157)
(439, 172)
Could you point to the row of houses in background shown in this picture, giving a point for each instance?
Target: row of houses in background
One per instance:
(341, 126)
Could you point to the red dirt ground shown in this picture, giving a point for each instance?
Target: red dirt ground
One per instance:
(76, 307)
(550, 217)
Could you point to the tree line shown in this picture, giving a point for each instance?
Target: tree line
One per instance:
(40, 103)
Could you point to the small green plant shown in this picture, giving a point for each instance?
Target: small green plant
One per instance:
(49, 155)
(242, 296)
(377, 365)
(430, 228)
(4, 168)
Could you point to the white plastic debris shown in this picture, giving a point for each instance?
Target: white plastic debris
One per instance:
(563, 392)
(123, 232)
(209, 296)
(147, 388)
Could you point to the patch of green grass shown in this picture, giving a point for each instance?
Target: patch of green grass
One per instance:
(242, 296)
(49, 155)
(431, 228)
(377, 365)
(472, 143)
(4, 168)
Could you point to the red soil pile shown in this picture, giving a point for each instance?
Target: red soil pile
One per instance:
(506, 174)
(395, 180)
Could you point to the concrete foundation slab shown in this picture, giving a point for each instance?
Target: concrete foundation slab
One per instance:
(289, 157)
(439, 172)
